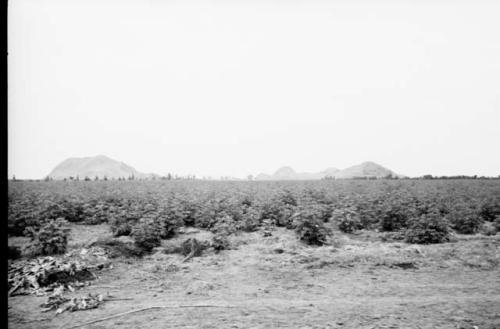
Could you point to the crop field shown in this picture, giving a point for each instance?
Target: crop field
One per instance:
(251, 254)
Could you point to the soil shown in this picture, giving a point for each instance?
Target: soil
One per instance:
(278, 282)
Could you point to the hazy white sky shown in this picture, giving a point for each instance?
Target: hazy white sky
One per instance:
(242, 87)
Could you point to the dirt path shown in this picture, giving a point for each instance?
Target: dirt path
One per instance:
(266, 289)
(442, 309)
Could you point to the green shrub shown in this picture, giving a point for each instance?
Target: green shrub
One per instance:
(120, 226)
(367, 212)
(496, 223)
(147, 234)
(189, 211)
(465, 220)
(251, 220)
(285, 216)
(225, 224)
(489, 210)
(323, 212)
(428, 228)
(393, 217)
(247, 201)
(209, 214)
(168, 227)
(224, 227)
(220, 241)
(73, 211)
(51, 238)
(310, 229)
(286, 197)
(21, 217)
(97, 215)
(279, 213)
(347, 220)
(488, 228)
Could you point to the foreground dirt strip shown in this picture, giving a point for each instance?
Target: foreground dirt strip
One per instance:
(454, 286)
(385, 312)
(298, 307)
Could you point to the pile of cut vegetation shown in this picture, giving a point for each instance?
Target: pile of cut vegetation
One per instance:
(41, 275)
(114, 248)
(56, 301)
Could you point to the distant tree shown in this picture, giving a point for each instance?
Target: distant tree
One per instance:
(105, 177)
(14, 178)
(427, 177)
(77, 178)
(87, 178)
(169, 176)
(96, 177)
(47, 179)
(250, 177)
(71, 178)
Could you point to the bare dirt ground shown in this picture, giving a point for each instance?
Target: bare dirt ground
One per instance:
(277, 282)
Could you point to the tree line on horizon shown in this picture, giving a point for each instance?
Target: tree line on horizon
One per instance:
(251, 178)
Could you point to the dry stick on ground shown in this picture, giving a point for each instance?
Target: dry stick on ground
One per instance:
(36, 320)
(107, 287)
(194, 248)
(145, 309)
(188, 257)
(113, 299)
(13, 290)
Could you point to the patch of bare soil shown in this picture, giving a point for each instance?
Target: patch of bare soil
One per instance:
(277, 282)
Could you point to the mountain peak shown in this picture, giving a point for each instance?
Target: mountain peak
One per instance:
(99, 165)
(365, 169)
(286, 170)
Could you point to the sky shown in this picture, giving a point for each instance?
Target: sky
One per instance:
(232, 88)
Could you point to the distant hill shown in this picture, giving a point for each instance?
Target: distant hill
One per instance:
(263, 176)
(103, 166)
(365, 169)
(100, 166)
(330, 171)
(284, 173)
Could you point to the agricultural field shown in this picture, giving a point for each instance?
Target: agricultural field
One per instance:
(249, 254)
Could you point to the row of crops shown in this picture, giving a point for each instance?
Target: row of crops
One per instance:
(415, 211)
